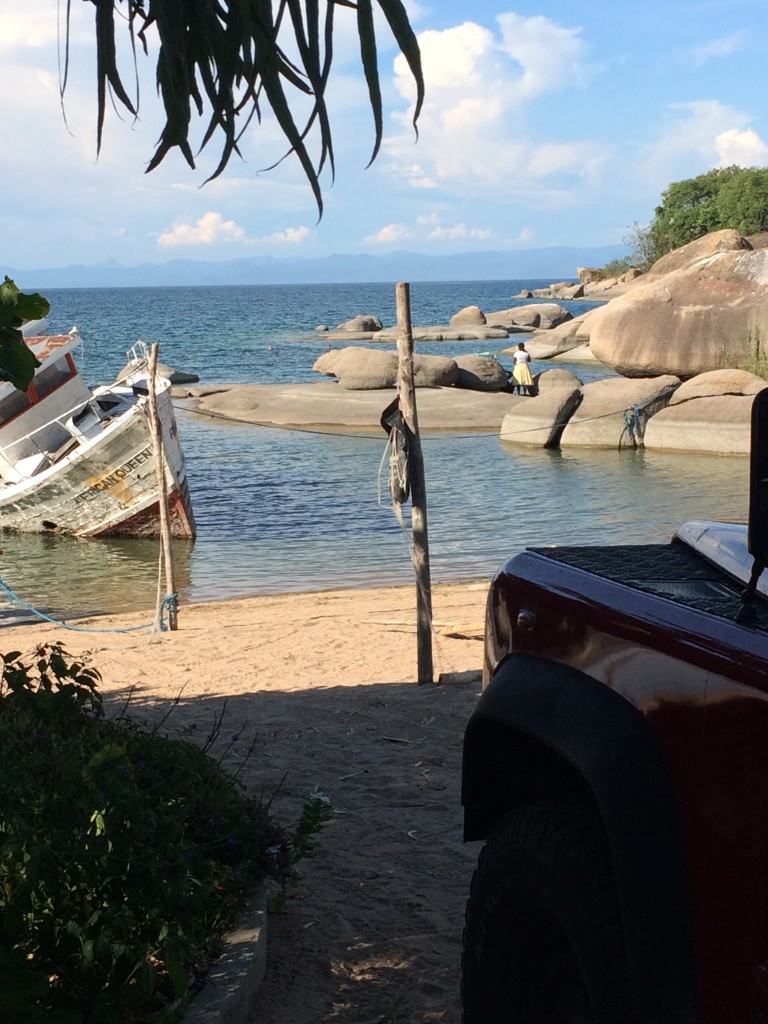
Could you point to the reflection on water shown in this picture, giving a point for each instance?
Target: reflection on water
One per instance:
(70, 577)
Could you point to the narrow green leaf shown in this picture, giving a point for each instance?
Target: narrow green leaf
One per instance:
(367, 33)
(405, 37)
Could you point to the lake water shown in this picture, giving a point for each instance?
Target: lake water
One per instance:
(281, 510)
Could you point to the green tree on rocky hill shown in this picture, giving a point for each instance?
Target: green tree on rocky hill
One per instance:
(742, 201)
(727, 197)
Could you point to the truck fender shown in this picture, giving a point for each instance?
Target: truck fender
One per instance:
(544, 730)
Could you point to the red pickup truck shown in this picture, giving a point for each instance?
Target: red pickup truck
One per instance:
(616, 767)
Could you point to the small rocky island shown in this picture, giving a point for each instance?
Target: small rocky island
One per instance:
(684, 342)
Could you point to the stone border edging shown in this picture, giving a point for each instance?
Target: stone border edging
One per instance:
(233, 982)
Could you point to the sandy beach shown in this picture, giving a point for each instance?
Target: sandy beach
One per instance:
(320, 690)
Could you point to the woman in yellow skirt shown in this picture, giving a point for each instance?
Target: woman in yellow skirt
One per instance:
(521, 373)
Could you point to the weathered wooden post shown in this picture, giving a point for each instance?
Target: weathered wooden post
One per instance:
(420, 546)
(162, 497)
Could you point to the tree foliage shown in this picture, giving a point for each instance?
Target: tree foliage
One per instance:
(728, 197)
(742, 201)
(644, 251)
(17, 362)
(231, 59)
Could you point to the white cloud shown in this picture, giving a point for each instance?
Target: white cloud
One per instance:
(742, 148)
(389, 234)
(524, 236)
(688, 141)
(722, 47)
(429, 228)
(417, 178)
(456, 231)
(473, 131)
(291, 236)
(210, 229)
(570, 157)
(29, 25)
(550, 56)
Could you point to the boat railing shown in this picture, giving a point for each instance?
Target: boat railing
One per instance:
(138, 359)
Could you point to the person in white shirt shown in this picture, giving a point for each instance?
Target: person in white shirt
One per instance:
(521, 373)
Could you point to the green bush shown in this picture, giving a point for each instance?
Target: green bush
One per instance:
(122, 853)
(616, 268)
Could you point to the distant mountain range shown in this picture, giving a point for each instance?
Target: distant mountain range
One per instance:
(552, 264)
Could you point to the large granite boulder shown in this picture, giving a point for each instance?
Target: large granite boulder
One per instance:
(588, 275)
(727, 240)
(719, 382)
(580, 354)
(565, 336)
(370, 369)
(549, 380)
(538, 422)
(613, 412)
(704, 316)
(361, 324)
(480, 373)
(434, 371)
(721, 425)
(358, 368)
(544, 315)
(468, 315)
(566, 290)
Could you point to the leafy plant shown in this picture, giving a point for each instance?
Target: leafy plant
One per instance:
(17, 362)
(315, 814)
(123, 853)
(757, 360)
(616, 268)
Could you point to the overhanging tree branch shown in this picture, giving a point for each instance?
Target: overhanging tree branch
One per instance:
(225, 57)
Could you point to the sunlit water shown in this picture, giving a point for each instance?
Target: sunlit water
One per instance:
(282, 510)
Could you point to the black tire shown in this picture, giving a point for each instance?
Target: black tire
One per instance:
(542, 941)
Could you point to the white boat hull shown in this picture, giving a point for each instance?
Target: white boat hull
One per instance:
(107, 486)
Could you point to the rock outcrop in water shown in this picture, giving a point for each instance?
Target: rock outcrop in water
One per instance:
(700, 312)
(366, 369)
(710, 413)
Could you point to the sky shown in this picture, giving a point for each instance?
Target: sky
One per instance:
(545, 124)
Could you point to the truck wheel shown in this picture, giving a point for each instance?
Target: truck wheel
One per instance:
(542, 941)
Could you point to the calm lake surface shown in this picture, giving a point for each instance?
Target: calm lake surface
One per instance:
(281, 510)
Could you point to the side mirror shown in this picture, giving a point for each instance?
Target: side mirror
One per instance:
(757, 533)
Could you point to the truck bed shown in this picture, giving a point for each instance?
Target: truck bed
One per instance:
(672, 571)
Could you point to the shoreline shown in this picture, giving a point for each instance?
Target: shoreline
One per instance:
(363, 616)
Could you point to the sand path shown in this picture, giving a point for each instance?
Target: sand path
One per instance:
(320, 688)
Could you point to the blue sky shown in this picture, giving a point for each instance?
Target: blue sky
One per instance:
(545, 124)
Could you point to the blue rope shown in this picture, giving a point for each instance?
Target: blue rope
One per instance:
(632, 423)
(170, 602)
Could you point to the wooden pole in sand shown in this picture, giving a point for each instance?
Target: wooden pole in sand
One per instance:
(162, 496)
(420, 547)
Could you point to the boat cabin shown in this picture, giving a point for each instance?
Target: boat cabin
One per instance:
(54, 414)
